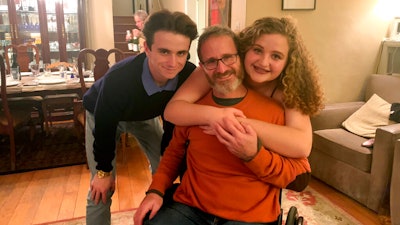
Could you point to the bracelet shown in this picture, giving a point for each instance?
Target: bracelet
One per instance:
(157, 192)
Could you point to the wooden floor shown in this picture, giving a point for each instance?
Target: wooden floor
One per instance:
(58, 194)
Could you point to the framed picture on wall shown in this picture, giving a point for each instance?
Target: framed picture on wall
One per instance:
(140, 5)
(298, 4)
(219, 12)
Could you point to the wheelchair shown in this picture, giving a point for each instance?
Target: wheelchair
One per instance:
(292, 218)
(298, 185)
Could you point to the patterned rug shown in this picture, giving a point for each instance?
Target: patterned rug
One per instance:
(315, 209)
(60, 148)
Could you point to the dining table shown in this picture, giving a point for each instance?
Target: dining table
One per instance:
(45, 84)
(48, 85)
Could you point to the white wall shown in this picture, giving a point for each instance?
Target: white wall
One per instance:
(99, 32)
(238, 20)
(122, 7)
(343, 36)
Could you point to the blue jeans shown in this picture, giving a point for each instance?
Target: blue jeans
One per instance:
(180, 214)
(148, 133)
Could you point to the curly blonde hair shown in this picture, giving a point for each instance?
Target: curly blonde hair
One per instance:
(299, 80)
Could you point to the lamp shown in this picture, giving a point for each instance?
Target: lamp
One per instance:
(387, 9)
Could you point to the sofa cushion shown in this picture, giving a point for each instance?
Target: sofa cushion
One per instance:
(373, 114)
(343, 146)
(385, 86)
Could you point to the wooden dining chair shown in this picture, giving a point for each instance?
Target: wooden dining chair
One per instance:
(101, 63)
(26, 53)
(13, 117)
(58, 107)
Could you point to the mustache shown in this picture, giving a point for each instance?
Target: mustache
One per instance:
(226, 73)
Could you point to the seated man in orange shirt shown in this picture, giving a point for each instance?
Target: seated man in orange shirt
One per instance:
(238, 185)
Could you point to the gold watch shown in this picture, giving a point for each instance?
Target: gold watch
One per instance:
(101, 174)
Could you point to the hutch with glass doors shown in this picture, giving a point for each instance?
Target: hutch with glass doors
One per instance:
(55, 26)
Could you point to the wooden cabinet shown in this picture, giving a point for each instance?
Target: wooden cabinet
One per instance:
(55, 26)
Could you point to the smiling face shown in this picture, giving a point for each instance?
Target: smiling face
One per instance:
(167, 56)
(266, 59)
(223, 78)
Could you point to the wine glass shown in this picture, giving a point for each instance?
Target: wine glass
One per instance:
(35, 69)
(91, 70)
(46, 69)
(87, 72)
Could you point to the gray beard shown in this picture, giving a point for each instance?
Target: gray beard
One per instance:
(228, 86)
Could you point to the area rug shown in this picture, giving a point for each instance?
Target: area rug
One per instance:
(117, 218)
(316, 210)
(60, 148)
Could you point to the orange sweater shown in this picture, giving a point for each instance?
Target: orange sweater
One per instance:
(221, 184)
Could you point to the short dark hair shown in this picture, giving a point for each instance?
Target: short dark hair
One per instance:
(216, 30)
(164, 20)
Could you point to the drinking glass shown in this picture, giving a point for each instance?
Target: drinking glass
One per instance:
(16, 75)
(35, 69)
(90, 71)
(73, 69)
(62, 71)
(46, 69)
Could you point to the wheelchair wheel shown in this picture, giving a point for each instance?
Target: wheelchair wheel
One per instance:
(300, 220)
(280, 217)
(292, 216)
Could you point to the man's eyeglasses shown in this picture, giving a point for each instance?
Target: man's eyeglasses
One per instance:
(213, 63)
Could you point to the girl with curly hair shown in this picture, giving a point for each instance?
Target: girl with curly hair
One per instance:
(277, 65)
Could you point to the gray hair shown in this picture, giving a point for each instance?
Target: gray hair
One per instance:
(216, 30)
(141, 14)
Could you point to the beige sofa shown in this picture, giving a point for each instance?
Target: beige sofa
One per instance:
(395, 187)
(337, 157)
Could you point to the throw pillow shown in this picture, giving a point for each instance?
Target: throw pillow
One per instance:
(373, 114)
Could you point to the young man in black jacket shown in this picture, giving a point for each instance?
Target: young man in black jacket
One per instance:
(133, 93)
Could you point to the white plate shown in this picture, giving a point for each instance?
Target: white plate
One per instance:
(58, 72)
(11, 83)
(89, 79)
(51, 80)
(26, 73)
